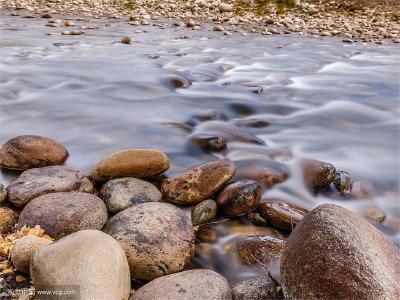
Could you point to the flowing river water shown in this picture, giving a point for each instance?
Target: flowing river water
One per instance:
(276, 98)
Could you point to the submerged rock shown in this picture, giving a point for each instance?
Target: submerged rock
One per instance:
(193, 284)
(207, 234)
(257, 249)
(88, 260)
(31, 151)
(61, 214)
(282, 214)
(375, 214)
(8, 218)
(39, 181)
(343, 183)
(335, 254)
(268, 177)
(126, 40)
(239, 197)
(257, 288)
(139, 163)
(208, 142)
(199, 183)
(317, 174)
(256, 218)
(204, 212)
(122, 193)
(158, 238)
(24, 249)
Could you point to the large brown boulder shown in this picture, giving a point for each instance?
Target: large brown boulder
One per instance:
(335, 254)
(157, 238)
(31, 151)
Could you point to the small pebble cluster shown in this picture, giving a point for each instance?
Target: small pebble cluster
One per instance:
(125, 222)
(376, 23)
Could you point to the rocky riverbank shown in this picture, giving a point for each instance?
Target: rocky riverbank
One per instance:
(123, 231)
(350, 21)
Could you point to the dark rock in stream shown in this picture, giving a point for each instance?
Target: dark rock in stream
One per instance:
(239, 197)
(317, 174)
(204, 212)
(256, 218)
(335, 254)
(199, 183)
(282, 214)
(258, 249)
(31, 151)
(208, 142)
(343, 183)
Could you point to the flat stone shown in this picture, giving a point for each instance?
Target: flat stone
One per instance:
(139, 163)
(61, 214)
(40, 181)
(31, 151)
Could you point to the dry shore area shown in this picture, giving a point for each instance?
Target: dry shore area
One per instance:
(353, 21)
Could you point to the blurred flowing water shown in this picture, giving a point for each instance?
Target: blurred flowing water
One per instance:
(288, 97)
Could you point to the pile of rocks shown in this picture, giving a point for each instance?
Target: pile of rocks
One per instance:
(374, 23)
(115, 226)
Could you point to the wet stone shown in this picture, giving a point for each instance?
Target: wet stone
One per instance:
(126, 40)
(207, 234)
(317, 174)
(178, 82)
(267, 176)
(256, 218)
(31, 151)
(204, 212)
(61, 214)
(259, 249)
(239, 197)
(362, 190)
(122, 193)
(158, 239)
(40, 181)
(375, 214)
(208, 142)
(343, 183)
(199, 183)
(281, 214)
